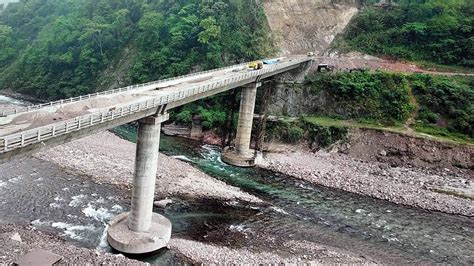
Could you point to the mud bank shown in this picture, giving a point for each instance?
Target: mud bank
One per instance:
(402, 149)
(446, 190)
(18, 240)
(106, 158)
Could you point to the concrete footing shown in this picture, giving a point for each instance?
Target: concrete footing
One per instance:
(121, 238)
(232, 157)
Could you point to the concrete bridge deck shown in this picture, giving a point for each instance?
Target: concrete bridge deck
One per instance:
(34, 128)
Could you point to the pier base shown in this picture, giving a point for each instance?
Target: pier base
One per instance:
(121, 238)
(232, 157)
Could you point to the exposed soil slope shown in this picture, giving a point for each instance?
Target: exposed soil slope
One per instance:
(302, 26)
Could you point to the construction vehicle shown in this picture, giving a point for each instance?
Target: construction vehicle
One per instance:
(255, 65)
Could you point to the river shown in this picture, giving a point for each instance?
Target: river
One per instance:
(32, 190)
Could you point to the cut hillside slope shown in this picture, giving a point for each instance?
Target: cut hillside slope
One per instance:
(301, 26)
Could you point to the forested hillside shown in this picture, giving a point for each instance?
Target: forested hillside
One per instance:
(58, 48)
(438, 31)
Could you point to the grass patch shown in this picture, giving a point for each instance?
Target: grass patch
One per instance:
(318, 135)
(442, 133)
(421, 130)
(361, 123)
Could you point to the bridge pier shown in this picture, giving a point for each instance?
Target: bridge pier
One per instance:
(140, 230)
(241, 155)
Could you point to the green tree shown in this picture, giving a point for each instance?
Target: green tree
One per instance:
(6, 44)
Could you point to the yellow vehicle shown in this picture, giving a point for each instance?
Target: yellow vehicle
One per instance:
(255, 65)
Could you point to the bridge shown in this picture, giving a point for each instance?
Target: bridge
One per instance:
(30, 129)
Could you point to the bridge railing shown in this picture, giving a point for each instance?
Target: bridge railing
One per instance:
(43, 133)
(109, 92)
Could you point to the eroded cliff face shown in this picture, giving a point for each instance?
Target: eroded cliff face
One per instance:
(301, 26)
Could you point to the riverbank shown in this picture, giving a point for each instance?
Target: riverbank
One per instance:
(445, 190)
(296, 252)
(403, 169)
(17, 240)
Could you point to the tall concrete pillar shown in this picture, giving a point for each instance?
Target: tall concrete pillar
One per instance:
(142, 231)
(241, 155)
(146, 161)
(244, 127)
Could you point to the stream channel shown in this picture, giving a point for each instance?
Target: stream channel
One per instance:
(36, 192)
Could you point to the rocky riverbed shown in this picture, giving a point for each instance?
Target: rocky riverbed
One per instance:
(106, 158)
(445, 190)
(18, 240)
(296, 252)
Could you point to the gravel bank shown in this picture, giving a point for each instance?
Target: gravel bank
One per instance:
(18, 240)
(306, 253)
(448, 191)
(109, 159)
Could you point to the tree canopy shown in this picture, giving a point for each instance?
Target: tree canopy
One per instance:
(440, 31)
(59, 48)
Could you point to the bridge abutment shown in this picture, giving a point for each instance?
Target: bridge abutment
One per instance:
(142, 231)
(241, 154)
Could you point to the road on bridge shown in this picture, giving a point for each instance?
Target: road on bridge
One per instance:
(20, 128)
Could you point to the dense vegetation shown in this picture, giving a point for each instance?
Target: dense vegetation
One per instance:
(445, 103)
(303, 129)
(59, 48)
(439, 31)
(440, 106)
(380, 97)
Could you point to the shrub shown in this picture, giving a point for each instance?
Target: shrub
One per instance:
(434, 30)
(449, 98)
(379, 96)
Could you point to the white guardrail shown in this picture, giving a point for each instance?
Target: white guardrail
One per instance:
(36, 135)
(109, 92)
